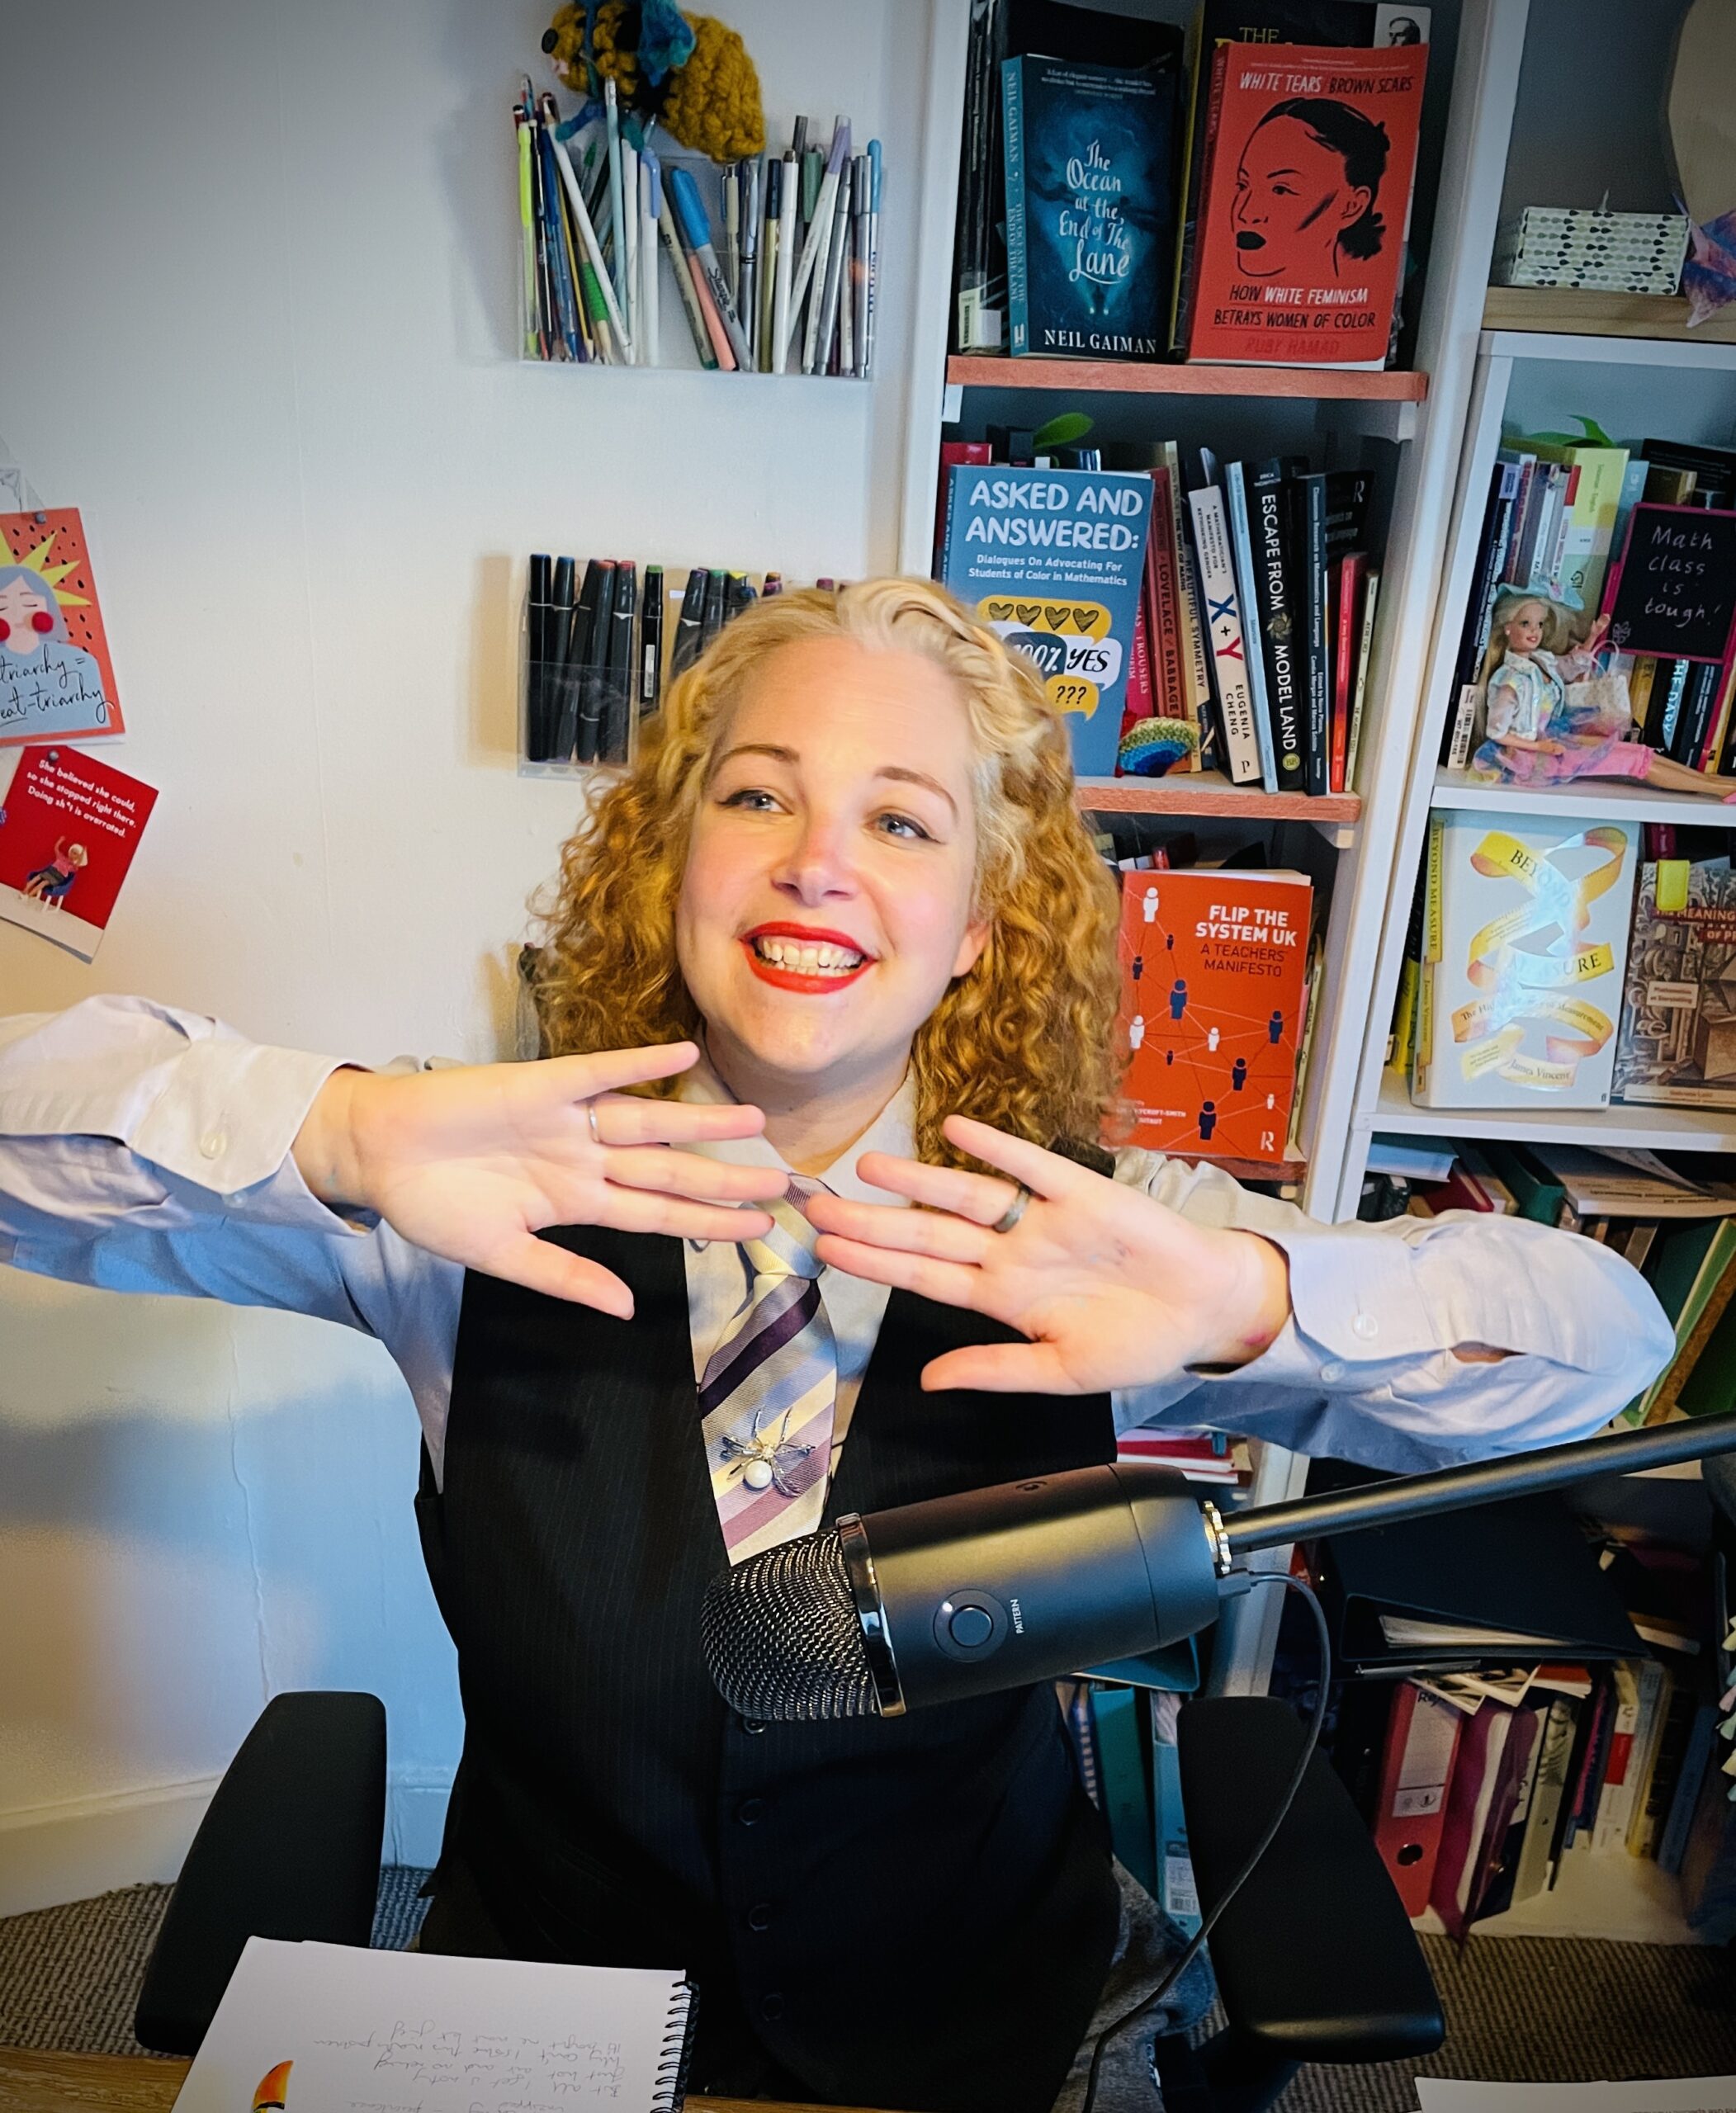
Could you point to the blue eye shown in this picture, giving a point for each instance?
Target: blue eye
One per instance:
(750, 798)
(905, 826)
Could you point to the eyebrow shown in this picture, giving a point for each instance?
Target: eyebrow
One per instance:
(781, 754)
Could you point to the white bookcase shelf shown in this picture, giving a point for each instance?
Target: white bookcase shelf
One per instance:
(1594, 799)
(1628, 1127)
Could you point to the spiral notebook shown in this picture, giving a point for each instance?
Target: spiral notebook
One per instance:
(308, 2028)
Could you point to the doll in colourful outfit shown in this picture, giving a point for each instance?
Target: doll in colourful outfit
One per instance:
(1535, 734)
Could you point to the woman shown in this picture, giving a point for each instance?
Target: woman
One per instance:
(854, 938)
(1306, 187)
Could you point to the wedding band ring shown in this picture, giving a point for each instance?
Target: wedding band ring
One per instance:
(590, 1109)
(1014, 1212)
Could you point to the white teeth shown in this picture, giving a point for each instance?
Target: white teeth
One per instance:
(818, 958)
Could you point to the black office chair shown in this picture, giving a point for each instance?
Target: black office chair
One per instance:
(1314, 1958)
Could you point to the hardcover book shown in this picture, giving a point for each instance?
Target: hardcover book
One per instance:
(1677, 1042)
(1216, 572)
(1090, 206)
(1052, 561)
(1524, 939)
(1213, 971)
(1310, 155)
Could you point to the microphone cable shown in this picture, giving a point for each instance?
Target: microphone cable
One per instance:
(1196, 1944)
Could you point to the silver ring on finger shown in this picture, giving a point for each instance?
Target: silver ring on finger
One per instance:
(590, 1109)
(1014, 1212)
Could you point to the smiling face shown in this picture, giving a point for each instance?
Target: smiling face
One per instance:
(828, 897)
(1293, 202)
(1525, 628)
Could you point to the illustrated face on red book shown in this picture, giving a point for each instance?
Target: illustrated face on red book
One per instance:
(827, 900)
(1304, 183)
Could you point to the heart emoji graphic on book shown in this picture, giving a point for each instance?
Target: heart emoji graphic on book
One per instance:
(998, 613)
(1088, 619)
(1028, 612)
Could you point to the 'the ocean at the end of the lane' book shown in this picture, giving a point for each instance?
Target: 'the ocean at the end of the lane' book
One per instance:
(1091, 206)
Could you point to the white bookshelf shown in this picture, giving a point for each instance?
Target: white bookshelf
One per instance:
(1626, 1127)
(1598, 800)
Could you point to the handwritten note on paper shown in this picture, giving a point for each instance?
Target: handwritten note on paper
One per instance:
(1683, 2094)
(402, 2032)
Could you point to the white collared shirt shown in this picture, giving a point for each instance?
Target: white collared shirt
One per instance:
(144, 1148)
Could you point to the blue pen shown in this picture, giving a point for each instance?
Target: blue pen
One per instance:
(562, 267)
(874, 252)
(690, 210)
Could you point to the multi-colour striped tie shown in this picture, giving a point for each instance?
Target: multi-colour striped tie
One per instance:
(769, 1390)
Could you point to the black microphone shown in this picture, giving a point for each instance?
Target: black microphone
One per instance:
(1029, 1582)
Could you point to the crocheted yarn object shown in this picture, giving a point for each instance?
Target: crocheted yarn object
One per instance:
(563, 42)
(1151, 748)
(712, 104)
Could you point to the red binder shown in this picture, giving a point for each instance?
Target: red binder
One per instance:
(1421, 1741)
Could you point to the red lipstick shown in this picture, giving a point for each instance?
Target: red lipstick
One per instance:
(790, 979)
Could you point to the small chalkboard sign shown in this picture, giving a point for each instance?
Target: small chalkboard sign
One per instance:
(1673, 592)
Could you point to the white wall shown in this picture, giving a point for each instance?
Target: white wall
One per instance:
(258, 321)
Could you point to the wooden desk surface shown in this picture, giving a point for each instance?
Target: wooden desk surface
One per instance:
(32, 2082)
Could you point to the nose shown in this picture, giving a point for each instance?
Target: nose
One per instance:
(814, 866)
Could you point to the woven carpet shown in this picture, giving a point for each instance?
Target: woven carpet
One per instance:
(1521, 2010)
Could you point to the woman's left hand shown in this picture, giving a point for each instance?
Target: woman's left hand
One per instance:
(1113, 1289)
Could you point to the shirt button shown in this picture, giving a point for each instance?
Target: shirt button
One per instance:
(771, 2008)
(1366, 1325)
(1331, 1374)
(212, 1143)
(752, 1726)
(759, 1915)
(751, 1811)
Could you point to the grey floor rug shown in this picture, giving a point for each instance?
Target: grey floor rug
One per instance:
(1522, 2010)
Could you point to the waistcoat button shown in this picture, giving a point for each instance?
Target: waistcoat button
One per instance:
(752, 1725)
(751, 1811)
(771, 2008)
(759, 1915)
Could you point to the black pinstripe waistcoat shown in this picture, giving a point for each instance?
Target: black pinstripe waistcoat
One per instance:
(916, 1912)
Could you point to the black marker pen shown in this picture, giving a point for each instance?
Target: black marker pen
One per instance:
(650, 643)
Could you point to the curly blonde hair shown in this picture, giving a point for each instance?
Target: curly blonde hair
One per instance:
(1022, 1041)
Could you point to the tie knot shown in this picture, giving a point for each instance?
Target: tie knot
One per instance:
(787, 1250)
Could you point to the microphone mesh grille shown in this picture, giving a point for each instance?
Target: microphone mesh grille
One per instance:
(781, 1639)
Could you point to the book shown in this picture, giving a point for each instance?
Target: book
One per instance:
(1364, 652)
(1696, 1759)
(1629, 1184)
(1525, 936)
(1213, 970)
(1311, 573)
(1677, 1044)
(319, 2025)
(1179, 1896)
(1052, 561)
(1549, 1787)
(69, 829)
(1346, 611)
(1304, 270)
(1090, 206)
(1248, 594)
(1688, 1273)
(1636, 1696)
(1286, 674)
(1195, 639)
(1218, 23)
(1508, 1823)
(57, 681)
(1170, 698)
(1123, 1772)
(1223, 624)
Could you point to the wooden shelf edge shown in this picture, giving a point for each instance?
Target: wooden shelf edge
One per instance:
(1589, 312)
(1152, 378)
(1207, 792)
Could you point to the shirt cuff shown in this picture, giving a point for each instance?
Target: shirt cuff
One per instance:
(230, 1114)
(1355, 1301)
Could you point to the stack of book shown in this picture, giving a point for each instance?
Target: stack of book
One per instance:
(1246, 624)
(1555, 523)
(1574, 246)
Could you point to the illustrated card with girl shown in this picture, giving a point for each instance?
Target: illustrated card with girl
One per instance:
(68, 828)
(56, 678)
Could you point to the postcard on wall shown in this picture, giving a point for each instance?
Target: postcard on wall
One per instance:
(68, 828)
(56, 678)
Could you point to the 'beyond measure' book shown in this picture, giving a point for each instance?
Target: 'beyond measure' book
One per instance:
(1091, 206)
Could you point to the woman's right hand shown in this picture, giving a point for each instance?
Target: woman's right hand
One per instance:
(472, 1163)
